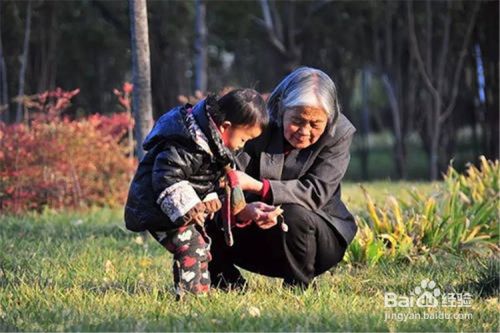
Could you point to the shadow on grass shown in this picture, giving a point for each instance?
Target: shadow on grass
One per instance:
(486, 283)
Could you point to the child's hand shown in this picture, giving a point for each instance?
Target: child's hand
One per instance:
(212, 206)
(194, 215)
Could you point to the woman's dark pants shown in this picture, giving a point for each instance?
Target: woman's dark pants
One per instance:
(310, 247)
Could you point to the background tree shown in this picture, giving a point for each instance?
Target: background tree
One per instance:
(200, 46)
(86, 45)
(442, 88)
(486, 39)
(141, 72)
(4, 90)
(24, 63)
(391, 61)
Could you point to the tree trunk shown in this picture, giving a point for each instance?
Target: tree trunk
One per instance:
(24, 63)
(488, 30)
(479, 108)
(285, 43)
(141, 72)
(411, 99)
(4, 92)
(390, 66)
(49, 50)
(365, 125)
(436, 80)
(399, 151)
(200, 47)
(100, 67)
(435, 141)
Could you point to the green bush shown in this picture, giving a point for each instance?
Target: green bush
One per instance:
(460, 218)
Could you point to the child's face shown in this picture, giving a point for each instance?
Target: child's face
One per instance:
(235, 137)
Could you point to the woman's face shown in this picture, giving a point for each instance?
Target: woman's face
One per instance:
(303, 126)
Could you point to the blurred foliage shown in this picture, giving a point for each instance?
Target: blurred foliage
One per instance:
(91, 38)
(86, 44)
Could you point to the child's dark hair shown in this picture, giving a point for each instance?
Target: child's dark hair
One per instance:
(242, 107)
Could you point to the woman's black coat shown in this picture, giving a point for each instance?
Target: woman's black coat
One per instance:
(309, 177)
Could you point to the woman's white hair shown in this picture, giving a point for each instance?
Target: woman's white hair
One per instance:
(306, 87)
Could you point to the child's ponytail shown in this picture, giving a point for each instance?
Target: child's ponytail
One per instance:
(241, 107)
(214, 110)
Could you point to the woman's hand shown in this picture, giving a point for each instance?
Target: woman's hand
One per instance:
(248, 183)
(264, 215)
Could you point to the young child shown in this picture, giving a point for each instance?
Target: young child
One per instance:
(174, 188)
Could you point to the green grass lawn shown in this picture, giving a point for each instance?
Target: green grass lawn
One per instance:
(353, 197)
(84, 272)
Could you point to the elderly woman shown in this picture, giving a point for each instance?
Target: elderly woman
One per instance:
(298, 164)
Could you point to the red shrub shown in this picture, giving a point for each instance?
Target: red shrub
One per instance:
(60, 163)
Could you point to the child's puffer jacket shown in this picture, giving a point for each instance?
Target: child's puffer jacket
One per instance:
(183, 164)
